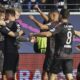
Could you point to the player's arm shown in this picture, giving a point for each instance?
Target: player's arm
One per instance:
(41, 13)
(19, 30)
(42, 34)
(77, 33)
(49, 33)
(15, 34)
(42, 26)
(7, 31)
(28, 39)
(23, 39)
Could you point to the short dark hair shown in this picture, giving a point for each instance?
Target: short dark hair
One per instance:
(2, 9)
(54, 10)
(64, 13)
(10, 12)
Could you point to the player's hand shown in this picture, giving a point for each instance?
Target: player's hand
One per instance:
(78, 47)
(2, 23)
(32, 38)
(31, 34)
(36, 7)
(31, 17)
(21, 32)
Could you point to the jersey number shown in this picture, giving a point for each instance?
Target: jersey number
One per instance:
(69, 37)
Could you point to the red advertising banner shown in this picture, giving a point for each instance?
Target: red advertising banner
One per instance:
(30, 66)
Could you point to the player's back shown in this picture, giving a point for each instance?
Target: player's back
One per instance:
(64, 38)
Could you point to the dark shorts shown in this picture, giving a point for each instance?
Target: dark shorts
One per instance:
(48, 61)
(58, 65)
(10, 62)
(1, 60)
(1, 55)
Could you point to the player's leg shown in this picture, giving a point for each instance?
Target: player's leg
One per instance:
(16, 65)
(9, 75)
(53, 76)
(45, 73)
(4, 77)
(55, 68)
(47, 64)
(68, 68)
(78, 72)
(4, 66)
(16, 77)
(1, 61)
(10, 65)
(69, 76)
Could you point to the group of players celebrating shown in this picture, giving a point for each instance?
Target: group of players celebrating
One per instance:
(59, 33)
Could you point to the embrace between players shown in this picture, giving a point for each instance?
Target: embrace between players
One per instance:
(59, 35)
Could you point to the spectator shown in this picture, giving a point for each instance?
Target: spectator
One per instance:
(4, 2)
(73, 4)
(53, 4)
(43, 4)
(31, 4)
(24, 4)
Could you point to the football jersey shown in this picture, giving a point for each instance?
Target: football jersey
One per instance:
(63, 38)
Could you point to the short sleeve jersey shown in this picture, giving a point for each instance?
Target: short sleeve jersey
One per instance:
(10, 42)
(63, 37)
(51, 40)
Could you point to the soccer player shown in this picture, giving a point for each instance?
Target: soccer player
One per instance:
(54, 19)
(11, 50)
(63, 47)
(4, 30)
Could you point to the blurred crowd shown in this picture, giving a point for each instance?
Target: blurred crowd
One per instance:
(45, 5)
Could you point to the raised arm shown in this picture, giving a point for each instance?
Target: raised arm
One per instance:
(42, 26)
(41, 13)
